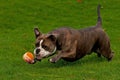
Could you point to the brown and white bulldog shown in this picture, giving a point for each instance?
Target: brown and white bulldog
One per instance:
(71, 44)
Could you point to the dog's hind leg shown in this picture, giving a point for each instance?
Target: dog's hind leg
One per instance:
(105, 50)
(98, 52)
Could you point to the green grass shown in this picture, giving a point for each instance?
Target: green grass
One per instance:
(18, 19)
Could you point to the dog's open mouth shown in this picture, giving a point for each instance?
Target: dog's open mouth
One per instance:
(38, 58)
(35, 60)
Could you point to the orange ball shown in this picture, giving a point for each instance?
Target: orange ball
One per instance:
(28, 57)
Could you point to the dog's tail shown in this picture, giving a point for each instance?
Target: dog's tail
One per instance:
(99, 20)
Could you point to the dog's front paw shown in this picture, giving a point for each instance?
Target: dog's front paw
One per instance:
(52, 60)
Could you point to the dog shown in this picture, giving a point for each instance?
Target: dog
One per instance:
(71, 44)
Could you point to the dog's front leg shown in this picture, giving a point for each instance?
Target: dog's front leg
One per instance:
(63, 54)
(69, 52)
(55, 58)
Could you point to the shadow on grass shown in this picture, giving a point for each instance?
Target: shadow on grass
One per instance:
(92, 59)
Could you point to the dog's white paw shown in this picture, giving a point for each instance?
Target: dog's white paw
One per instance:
(52, 60)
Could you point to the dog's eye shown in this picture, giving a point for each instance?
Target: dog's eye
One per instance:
(37, 44)
(45, 47)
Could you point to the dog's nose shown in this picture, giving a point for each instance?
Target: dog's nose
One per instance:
(37, 51)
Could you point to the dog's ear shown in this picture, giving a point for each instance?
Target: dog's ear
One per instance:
(52, 37)
(37, 32)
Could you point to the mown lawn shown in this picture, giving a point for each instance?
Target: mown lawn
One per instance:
(18, 19)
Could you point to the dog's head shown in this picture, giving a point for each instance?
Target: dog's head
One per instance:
(45, 44)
